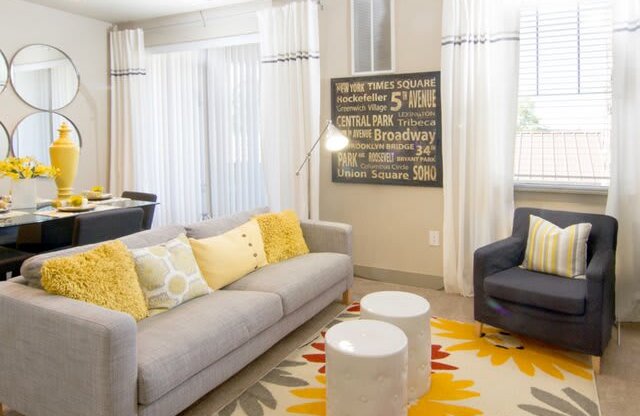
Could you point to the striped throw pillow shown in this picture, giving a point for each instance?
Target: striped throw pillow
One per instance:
(555, 250)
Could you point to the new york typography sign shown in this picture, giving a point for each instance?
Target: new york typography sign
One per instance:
(394, 126)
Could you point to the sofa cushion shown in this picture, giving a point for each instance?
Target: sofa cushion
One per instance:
(299, 280)
(217, 226)
(175, 345)
(30, 269)
(540, 290)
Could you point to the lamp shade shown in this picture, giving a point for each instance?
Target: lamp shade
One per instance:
(335, 139)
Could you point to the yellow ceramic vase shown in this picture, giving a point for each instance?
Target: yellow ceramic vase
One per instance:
(64, 156)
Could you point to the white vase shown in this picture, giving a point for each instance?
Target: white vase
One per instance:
(23, 193)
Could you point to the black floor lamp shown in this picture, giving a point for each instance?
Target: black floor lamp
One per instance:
(335, 140)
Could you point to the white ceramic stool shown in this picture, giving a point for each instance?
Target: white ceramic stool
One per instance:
(366, 369)
(412, 314)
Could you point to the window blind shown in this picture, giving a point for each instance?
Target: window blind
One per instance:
(564, 92)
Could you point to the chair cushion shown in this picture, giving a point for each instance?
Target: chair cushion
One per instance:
(283, 238)
(168, 274)
(555, 250)
(225, 258)
(175, 345)
(104, 276)
(540, 290)
(299, 280)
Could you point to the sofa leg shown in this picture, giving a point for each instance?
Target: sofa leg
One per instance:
(595, 362)
(479, 329)
(346, 299)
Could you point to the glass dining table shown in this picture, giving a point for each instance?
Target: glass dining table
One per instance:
(45, 212)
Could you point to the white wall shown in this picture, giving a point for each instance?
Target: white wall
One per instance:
(86, 42)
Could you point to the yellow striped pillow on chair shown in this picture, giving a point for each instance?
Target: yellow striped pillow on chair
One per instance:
(555, 250)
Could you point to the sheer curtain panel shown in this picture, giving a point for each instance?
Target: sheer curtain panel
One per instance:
(480, 48)
(170, 158)
(127, 83)
(290, 103)
(624, 191)
(236, 182)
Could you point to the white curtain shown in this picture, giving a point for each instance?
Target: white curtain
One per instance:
(480, 50)
(200, 151)
(624, 191)
(127, 79)
(235, 164)
(170, 159)
(290, 103)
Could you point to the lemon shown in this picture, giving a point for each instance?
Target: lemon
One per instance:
(76, 201)
(98, 189)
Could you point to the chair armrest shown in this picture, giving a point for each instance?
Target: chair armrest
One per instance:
(324, 236)
(602, 265)
(496, 257)
(63, 357)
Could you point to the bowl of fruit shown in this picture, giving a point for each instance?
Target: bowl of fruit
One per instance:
(97, 193)
(77, 203)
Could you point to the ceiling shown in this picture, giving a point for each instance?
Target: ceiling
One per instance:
(118, 11)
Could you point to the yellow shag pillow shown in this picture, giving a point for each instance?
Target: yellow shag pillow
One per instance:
(225, 258)
(105, 276)
(282, 236)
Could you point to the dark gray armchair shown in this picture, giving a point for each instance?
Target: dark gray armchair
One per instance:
(576, 314)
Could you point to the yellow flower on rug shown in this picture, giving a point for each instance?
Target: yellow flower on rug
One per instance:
(443, 389)
(501, 347)
(319, 394)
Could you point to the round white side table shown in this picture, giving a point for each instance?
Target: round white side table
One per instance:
(366, 369)
(412, 314)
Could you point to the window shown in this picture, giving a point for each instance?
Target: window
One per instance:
(201, 152)
(372, 36)
(564, 101)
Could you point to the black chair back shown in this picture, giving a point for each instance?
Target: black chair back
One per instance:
(106, 225)
(147, 221)
(604, 229)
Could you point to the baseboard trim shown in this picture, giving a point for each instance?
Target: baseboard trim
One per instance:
(399, 277)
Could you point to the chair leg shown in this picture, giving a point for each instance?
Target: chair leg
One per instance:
(478, 328)
(1, 410)
(595, 362)
(619, 332)
(346, 299)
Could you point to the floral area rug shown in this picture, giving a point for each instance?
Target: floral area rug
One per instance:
(497, 374)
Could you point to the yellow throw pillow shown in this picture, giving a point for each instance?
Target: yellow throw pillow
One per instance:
(555, 250)
(282, 236)
(168, 274)
(225, 258)
(105, 276)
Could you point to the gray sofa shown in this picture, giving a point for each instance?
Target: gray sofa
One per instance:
(63, 357)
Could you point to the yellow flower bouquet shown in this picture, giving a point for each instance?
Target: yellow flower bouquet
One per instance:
(26, 168)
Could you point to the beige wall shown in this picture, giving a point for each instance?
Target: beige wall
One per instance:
(85, 41)
(391, 223)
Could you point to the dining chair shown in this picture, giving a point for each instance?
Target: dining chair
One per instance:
(149, 210)
(101, 226)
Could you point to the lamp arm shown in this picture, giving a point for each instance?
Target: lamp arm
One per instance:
(315, 144)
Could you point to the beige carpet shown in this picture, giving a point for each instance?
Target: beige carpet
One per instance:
(465, 371)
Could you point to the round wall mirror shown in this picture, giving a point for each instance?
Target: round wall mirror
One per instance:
(44, 77)
(35, 133)
(4, 141)
(4, 72)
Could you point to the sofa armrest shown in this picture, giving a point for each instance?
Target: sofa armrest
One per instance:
(602, 265)
(324, 236)
(64, 357)
(496, 257)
